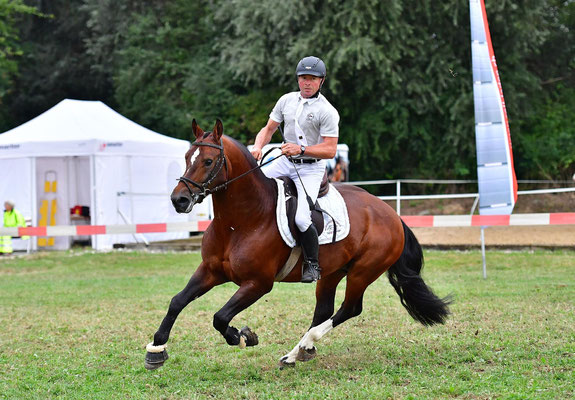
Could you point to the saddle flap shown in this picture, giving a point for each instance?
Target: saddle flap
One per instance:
(324, 187)
(291, 207)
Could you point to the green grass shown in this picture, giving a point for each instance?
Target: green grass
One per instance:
(74, 326)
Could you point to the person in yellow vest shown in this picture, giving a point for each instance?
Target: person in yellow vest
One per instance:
(12, 218)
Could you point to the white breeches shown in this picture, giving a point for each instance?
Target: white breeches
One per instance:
(311, 175)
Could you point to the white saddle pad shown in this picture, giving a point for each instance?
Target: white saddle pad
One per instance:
(333, 203)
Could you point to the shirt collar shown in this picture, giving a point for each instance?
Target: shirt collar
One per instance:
(309, 101)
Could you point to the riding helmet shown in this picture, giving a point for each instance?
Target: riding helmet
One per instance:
(311, 66)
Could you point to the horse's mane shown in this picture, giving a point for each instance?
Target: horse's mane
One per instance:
(244, 150)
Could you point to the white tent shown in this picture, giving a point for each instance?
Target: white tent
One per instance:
(84, 153)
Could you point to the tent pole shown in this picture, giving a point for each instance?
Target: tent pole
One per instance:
(93, 198)
(34, 194)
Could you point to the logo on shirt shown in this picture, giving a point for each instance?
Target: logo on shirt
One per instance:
(309, 117)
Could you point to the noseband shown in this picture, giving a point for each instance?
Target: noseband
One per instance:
(204, 190)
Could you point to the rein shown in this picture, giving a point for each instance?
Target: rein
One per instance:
(221, 162)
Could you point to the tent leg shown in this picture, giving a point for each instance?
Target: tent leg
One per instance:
(483, 252)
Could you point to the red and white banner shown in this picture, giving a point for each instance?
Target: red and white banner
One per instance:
(489, 220)
(87, 230)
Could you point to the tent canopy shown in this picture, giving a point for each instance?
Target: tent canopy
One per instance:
(77, 127)
(84, 153)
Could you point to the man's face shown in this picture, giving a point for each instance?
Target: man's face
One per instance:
(7, 207)
(308, 85)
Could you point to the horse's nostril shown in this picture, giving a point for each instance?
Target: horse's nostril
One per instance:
(181, 201)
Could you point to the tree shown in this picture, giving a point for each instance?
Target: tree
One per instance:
(55, 64)
(398, 72)
(10, 47)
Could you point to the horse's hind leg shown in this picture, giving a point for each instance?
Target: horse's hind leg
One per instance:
(325, 297)
(359, 278)
(200, 283)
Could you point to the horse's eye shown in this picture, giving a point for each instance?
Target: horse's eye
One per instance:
(208, 162)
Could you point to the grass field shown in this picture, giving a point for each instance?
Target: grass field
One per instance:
(74, 326)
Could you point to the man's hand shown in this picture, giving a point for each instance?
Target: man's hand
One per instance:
(257, 153)
(263, 137)
(291, 149)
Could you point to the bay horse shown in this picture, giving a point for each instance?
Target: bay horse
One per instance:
(243, 245)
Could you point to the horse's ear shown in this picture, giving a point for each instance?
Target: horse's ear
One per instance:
(218, 130)
(198, 132)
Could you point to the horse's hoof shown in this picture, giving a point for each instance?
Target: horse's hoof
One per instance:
(250, 336)
(155, 360)
(306, 355)
(285, 364)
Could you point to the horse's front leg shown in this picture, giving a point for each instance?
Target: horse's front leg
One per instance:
(248, 293)
(200, 282)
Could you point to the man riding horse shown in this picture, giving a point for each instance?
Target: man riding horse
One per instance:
(244, 245)
(311, 134)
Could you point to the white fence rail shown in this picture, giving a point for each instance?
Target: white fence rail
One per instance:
(398, 197)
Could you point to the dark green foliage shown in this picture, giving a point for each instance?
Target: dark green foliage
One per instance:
(399, 73)
(553, 131)
(10, 47)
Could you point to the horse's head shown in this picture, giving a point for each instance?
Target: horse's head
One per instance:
(204, 162)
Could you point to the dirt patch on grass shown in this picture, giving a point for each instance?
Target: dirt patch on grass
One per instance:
(557, 236)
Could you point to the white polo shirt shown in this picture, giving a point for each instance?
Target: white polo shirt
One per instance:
(318, 118)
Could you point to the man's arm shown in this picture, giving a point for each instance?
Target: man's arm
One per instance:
(263, 137)
(326, 150)
(20, 220)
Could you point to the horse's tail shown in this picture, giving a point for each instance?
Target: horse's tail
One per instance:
(421, 303)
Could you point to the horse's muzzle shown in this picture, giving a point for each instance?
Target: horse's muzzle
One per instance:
(184, 203)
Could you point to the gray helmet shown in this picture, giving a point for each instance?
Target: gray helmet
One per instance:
(311, 66)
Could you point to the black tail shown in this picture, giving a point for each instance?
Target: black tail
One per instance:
(415, 295)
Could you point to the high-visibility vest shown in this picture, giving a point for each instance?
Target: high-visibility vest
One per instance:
(11, 219)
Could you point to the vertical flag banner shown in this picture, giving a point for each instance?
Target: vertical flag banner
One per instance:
(495, 172)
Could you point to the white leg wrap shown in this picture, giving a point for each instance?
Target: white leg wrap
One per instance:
(291, 356)
(150, 348)
(315, 334)
(308, 340)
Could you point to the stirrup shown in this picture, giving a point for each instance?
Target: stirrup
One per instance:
(311, 272)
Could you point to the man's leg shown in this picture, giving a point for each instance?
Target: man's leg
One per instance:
(311, 270)
(311, 176)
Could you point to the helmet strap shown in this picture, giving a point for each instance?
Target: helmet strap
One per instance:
(316, 94)
(319, 90)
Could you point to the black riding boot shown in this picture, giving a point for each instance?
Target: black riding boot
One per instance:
(310, 246)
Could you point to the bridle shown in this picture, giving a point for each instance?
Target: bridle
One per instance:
(220, 163)
(204, 190)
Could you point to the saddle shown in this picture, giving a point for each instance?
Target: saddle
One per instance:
(291, 206)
